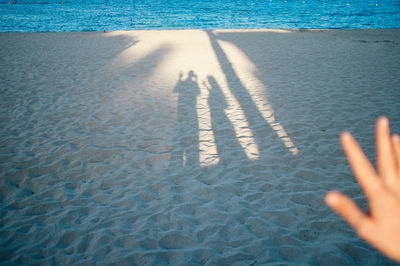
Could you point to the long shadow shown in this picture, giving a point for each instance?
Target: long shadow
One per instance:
(185, 138)
(226, 140)
(291, 71)
(257, 124)
(308, 82)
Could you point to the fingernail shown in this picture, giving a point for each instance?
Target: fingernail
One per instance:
(396, 138)
(346, 135)
(383, 121)
(331, 198)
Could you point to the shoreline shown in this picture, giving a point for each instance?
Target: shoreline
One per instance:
(212, 29)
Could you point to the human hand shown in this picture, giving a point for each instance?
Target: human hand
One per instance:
(381, 226)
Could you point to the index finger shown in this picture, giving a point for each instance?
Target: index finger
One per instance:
(361, 166)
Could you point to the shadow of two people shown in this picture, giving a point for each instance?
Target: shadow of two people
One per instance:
(186, 132)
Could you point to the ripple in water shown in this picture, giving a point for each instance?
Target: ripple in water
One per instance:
(75, 15)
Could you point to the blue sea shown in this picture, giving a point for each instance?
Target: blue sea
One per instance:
(108, 15)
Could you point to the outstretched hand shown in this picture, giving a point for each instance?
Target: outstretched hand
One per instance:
(381, 226)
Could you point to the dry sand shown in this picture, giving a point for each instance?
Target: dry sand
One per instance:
(187, 147)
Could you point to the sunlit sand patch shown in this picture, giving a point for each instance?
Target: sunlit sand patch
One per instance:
(197, 55)
(246, 72)
(194, 55)
(188, 52)
(177, 59)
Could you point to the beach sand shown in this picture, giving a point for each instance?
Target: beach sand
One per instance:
(187, 147)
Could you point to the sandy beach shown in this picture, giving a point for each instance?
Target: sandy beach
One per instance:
(187, 147)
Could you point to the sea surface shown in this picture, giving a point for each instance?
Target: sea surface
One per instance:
(109, 15)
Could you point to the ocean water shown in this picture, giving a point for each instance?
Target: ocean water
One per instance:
(108, 15)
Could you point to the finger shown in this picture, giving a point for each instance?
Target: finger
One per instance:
(396, 148)
(348, 210)
(361, 166)
(385, 153)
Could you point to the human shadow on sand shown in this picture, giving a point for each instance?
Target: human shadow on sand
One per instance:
(186, 132)
(186, 140)
(226, 141)
(261, 130)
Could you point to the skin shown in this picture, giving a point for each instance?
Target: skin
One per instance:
(381, 226)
